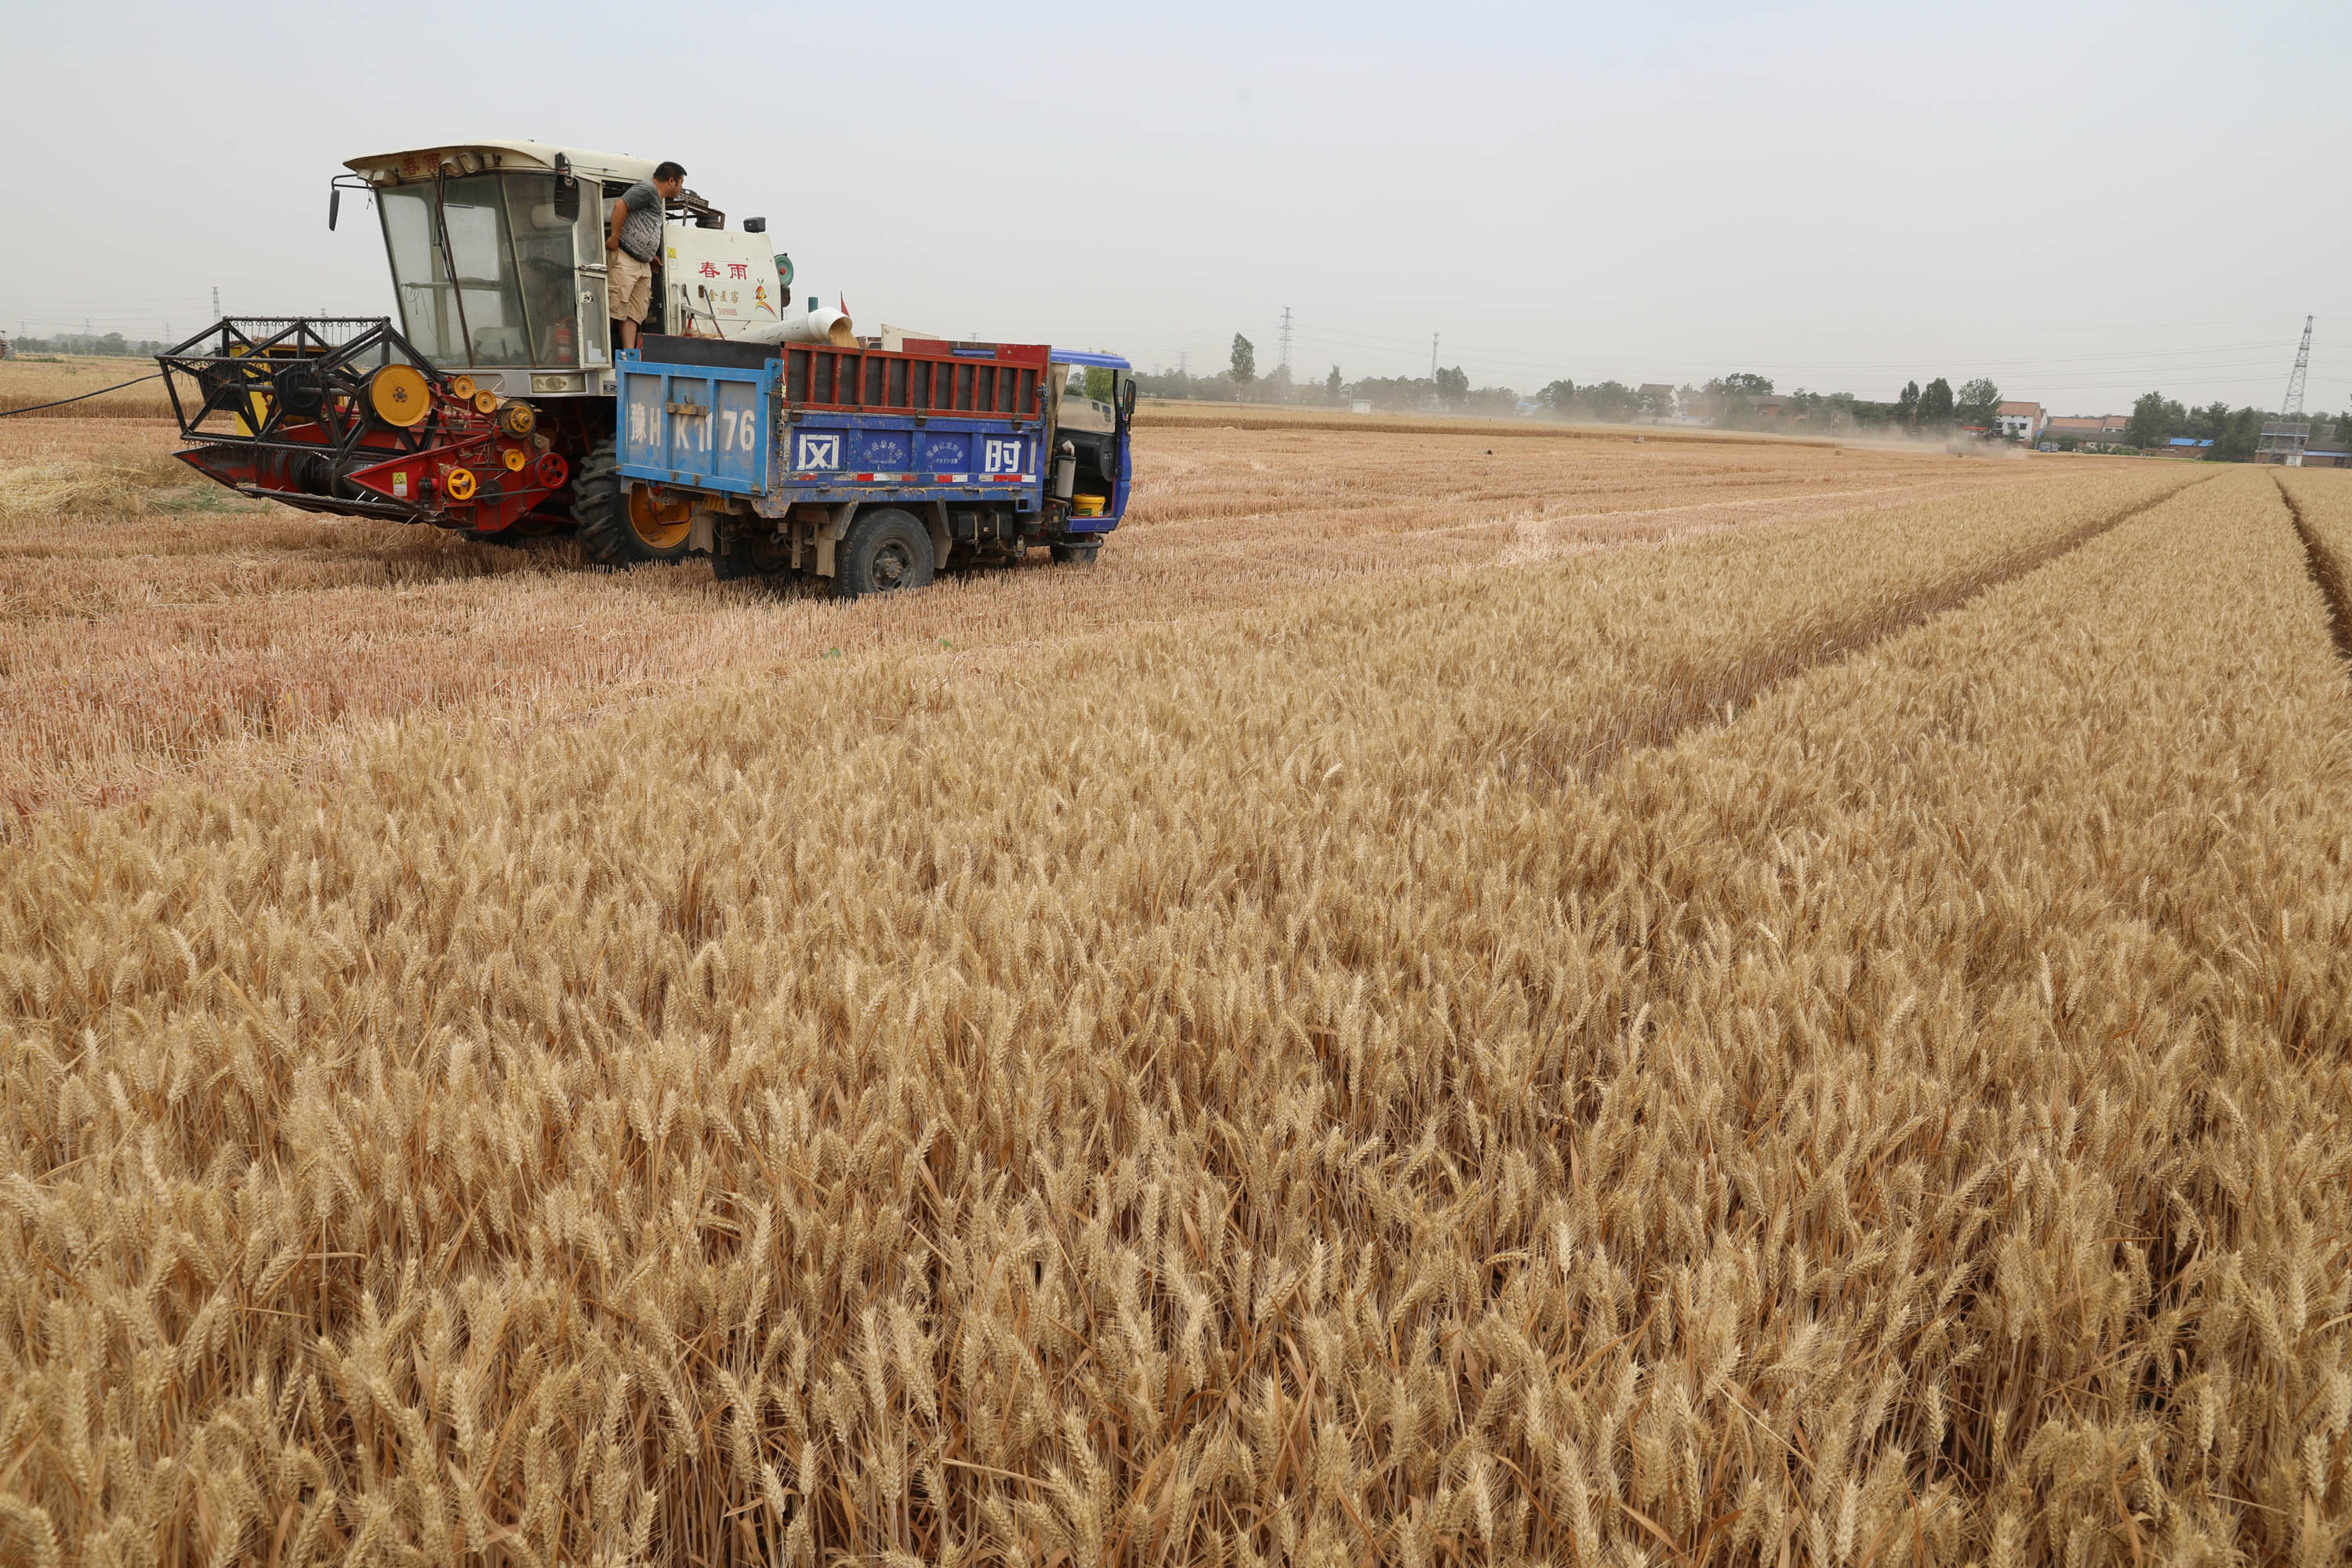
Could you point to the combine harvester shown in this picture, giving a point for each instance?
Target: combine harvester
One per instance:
(772, 439)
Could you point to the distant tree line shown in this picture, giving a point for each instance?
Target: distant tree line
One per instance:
(2157, 419)
(1737, 401)
(108, 345)
(1449, 391)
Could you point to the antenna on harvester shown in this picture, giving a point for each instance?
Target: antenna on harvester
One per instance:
(2284, 437)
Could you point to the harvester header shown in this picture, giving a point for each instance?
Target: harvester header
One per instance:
(341, 414)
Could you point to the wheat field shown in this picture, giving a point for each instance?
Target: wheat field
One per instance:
(28, 381)
(1582, 1004)
(149, 636)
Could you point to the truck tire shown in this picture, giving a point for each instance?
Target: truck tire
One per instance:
(885, 552)
(1075, 554)
(737, 555)
(613, 530)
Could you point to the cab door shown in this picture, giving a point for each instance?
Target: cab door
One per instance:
(595, 308)
(1123, 402)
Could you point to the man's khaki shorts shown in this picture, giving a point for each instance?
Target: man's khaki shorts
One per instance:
(630, 283)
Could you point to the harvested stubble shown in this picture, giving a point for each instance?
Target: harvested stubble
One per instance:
(2323, 517)
(134, 486)
(1180, 413)
(144, 649)
(1214, 1097)
(27, 382)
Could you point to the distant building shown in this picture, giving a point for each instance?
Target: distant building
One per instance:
(2021, 421)
(1660, 400)
(1360, 405)
(2107, 428)
(2283, 441)
(2326, 449)
(2187, 446)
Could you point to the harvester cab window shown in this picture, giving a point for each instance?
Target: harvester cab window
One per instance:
(475, 210)
(513, 297)
(428, 306)
(542, 248)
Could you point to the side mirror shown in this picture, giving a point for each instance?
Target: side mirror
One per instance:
(1126, 399)
(755, 226)
(567, 190)
(334, 204)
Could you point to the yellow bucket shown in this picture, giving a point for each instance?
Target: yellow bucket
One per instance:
(1088, 506)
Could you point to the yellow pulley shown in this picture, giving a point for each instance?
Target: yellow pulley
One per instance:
(514, 460)
(399, 395)
(486, 401)
(460, 484)
(461, 387)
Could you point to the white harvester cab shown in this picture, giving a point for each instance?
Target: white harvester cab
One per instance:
(496, 251)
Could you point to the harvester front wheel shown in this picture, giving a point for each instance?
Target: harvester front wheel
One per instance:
(885, 552)
(618, 524)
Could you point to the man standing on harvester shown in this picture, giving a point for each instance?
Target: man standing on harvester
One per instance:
(632, 244)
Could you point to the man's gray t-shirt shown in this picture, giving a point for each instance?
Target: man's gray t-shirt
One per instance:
(641, 230)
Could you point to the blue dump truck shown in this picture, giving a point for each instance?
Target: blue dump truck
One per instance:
(870, 467)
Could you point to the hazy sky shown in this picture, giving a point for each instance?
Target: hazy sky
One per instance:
(2082, 201)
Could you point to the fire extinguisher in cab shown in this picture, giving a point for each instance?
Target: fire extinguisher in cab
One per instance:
(565, 353)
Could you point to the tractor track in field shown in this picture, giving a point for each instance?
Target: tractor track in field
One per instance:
(2327, 573)
(1735, 690)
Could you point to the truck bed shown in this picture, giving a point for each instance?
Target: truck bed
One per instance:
(793, 424)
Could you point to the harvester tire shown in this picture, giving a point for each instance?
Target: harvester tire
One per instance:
(885, 552)
(599, 508)
(736, 555)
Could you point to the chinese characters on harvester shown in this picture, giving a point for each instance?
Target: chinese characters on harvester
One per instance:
(738, 271)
